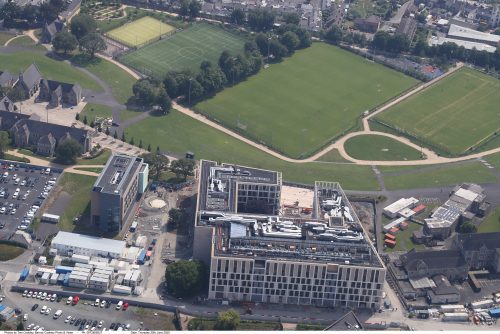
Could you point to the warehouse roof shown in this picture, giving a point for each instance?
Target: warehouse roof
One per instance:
(85, 241)
(467, 33)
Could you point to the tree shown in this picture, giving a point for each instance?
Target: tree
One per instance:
(175, 217)
(184, 8)
(4, 143)
(260, 19)
(194, 8)
(9, 12)
(115, 135)
(64, 41)
(211, 78)
(145, 92)
(157, 163)
(182, 167)
(277, 49)
(164, 102)
(92, 43)
(140, 143)
(68, 151)
(123, 137)
(467, 227)
(238, 16)
(131, 141)
(185, 278)
(30, 13)
(291, 41)
(85, 121)
(107, 132)
(334, 35)
(82, 25)
(149, 147)
(291, 18)
(77, 117)
(228, 320)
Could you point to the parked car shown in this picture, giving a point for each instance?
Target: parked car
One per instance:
(34, 307)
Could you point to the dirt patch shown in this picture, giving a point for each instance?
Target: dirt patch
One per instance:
(154, 320)
(366, 215)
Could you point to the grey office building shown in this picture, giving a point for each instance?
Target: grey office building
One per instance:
(116, 191)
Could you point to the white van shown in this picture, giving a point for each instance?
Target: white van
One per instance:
(57, 314)
(47, 171)
(70, 299)
(119, 305)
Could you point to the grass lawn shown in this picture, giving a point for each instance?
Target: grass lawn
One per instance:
(177, 133)
(134, 14)
(32, 154)
(50, 68)
(9, 252)
(184, 50)
(120, 81)
(455, 114)
(126, 114)
(491, 223)
(441, 175)
(93, 110)
(78, 187)
(404, 241)
(494, 160)
(26, 42)
(101, 159)
(11, 157)
(306, 101)
(4, 37)
(332, 156)
(141, 31)
(378, 148)
(90, 169)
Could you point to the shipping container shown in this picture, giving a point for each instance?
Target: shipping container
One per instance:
(495, 312)
(148, 254)
(63, 269)
(24, 273)
(482, 304)
(121, 289)
(142, 257)
(390, 236)
(49, 218)
(77, 258)
(455, 317)
(390, 243)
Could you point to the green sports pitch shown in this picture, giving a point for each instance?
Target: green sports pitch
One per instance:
(456, 113)
(184, 50)
(306, 101)
(140, 31)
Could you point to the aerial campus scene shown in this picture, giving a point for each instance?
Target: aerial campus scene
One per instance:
(245, 165)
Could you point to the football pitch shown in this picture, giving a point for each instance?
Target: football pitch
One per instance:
(456, 113)
(184, 50)
(140, 31)
(304, 102)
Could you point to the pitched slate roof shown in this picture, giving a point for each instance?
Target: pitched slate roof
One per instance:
(31, 76)
(53, 28)
(434, 259)
(474, 241)
(7, 119)
(48, 139)
(7, 79)
(6, 104)
(58, 131)
(61, 87)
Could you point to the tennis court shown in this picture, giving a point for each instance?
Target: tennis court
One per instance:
(140, 32)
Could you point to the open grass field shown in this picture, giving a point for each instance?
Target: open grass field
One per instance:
(404, 241)
(120, 81)
(491, 223)
(184, 50)
(439, 175)
(50, 68)
(101, 159)
(379, 148)
(27, 42)
(332, 156)
(133, 14)
(306, 101)
(9, 252)
(93, 110)
(455, 114)
(140, 31)
(4, 37)
(176, 133)
(78, 187)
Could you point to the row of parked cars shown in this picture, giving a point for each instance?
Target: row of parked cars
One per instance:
(41, 295)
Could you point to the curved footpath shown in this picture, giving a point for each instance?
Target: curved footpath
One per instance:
(432, 157)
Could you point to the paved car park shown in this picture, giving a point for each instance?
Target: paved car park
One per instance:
(23, 189)
(83, 316)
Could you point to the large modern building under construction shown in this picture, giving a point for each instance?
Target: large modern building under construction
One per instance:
(257, 254)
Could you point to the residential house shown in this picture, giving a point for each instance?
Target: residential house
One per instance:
(59, 93)
(7, 79)
(434, 262)
(7, 105)
(50, 30)
(29, 80)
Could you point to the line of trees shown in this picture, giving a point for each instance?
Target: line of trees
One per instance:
(441, 55)
(15, 16)
(232, 68)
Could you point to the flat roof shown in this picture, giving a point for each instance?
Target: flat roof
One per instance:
(118, 172)
(467, 194)
(462, 32)
(401, 204)
(466, 44)
(88, 242)
(218, 184)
